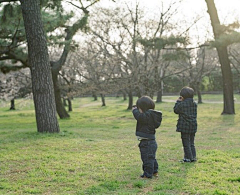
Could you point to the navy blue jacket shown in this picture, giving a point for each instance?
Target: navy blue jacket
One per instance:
(147, 123)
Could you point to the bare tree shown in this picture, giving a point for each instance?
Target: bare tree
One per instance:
(15, 85)
(137, 44)
(200, 63)
(224, 60)
(235, 61)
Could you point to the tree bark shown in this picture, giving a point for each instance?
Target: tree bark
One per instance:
(64, 101)
(138, 91)
(160, 91)
(130, 100)
(57, 65)
(159, 96)
(124, 96)
(199, 97)
(199, 93)
(42, 85)
(62, 113)
(103, 100)
(12, 107)
(94, 96)
(69, 105)
(228, 97)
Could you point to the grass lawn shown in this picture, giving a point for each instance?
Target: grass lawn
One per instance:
(97, 152)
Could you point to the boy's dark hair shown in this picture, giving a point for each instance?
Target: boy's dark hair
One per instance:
(187, 92)
(145, 103)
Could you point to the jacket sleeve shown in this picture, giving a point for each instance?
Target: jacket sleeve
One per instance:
(140, 117)
(157, 118)
(178, 107)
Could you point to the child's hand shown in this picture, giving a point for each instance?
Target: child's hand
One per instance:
(180, 99)
(134, 107)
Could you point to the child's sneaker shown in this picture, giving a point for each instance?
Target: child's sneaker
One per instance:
(155, 174)
(145, 177)
(185, 161)
(193, 160)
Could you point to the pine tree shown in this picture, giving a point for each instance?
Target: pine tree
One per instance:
(224, 36)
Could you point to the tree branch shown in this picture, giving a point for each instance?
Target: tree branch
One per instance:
(8, 1)
(84, 9)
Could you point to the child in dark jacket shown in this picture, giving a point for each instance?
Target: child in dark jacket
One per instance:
(148, 120)
(186, 108)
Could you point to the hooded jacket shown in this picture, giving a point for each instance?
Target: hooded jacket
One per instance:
(147, 123)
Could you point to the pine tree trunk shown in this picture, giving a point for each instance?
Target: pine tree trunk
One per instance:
(228, 96)
(42, 85)
(224, 61)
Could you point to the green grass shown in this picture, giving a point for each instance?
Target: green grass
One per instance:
(96, 152)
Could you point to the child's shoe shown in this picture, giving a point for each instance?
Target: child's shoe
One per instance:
(145, 177)
(193, 160)
(185, 160)
(155, 174)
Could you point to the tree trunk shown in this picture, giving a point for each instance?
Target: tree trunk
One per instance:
(42, 85)
(130, 100)
(151, 94)
(124, 96)
(103, 100)
(62, 113)
(160, 91)
(12, 107)
(69, 105)
(198, 92)
(199, 97)
(94, 96)
(64, 101)
(224, 61)
(57, 65)
(138, 91)
(228, 96)
(159, 96)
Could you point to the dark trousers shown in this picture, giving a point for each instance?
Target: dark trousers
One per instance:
(148, 150)
(188, 145)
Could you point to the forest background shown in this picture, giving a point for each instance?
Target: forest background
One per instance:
(121, 48)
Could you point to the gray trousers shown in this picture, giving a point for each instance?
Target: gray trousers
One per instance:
(188, 145)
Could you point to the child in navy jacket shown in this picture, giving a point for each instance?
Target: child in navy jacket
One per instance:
(148, 120)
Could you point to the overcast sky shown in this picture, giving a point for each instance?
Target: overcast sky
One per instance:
(228, 11)
(188, 10)
(226, 8)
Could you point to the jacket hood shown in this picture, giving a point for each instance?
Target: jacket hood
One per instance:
(157, 117)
